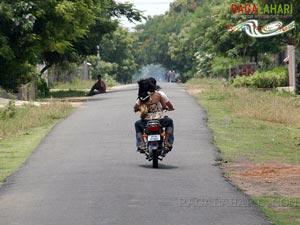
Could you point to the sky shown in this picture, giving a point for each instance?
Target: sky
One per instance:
(150, 8)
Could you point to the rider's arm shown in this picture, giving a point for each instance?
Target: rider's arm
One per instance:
(162, 102)
(137, 105)
(170, 106)
(168, 103)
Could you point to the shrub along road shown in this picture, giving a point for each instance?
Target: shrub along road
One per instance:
(86, 171)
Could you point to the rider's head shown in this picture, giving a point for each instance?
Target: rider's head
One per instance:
(146, 86)
(153, 81)
(99, 77)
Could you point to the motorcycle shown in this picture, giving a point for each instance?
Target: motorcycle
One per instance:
(154, 136)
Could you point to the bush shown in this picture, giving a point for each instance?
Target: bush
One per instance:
(277, 77)
(221, 64)
(43, 90)
(9, 111)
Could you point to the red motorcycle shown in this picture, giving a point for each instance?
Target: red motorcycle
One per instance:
(154, 136)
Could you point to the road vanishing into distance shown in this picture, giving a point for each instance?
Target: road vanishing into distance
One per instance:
(87, 172)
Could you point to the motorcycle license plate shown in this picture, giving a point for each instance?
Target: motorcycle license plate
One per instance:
(154, 137)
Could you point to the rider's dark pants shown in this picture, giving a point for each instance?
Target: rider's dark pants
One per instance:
(166, 122)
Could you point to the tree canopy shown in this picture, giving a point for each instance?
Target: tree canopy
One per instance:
(193, 37)
(53, 31)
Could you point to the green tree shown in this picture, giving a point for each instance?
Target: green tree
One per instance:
(165, 39)
(53, 32)
(118, 49)
(16, 26)
(195, 38)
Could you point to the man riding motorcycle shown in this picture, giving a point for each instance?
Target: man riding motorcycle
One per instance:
(151, 104)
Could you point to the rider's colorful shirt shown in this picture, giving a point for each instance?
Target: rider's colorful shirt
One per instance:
(155, 112)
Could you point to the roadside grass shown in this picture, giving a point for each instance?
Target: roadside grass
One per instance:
(74, 85)
(282, 210)
(21, 130)
(78, 84)
(254, 126)
(76, 88)
(17, 120)
(68, 93)
(243, 138)
(15, 150)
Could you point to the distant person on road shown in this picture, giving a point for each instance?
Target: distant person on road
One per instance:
(173, 76)
(99, 87)
(169, 74)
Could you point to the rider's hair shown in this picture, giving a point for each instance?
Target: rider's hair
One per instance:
(145, 86)
(153, 81)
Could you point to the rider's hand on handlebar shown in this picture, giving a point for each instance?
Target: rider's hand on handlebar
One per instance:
(167, 109)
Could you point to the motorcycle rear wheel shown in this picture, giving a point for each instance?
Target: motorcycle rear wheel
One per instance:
(155, 159)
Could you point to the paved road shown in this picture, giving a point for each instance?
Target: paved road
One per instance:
(86, 172)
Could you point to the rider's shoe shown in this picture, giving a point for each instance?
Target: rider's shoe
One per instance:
(163, 154)
(167, 146)
(166, 149)
(142, 148)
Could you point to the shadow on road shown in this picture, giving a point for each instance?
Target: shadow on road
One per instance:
(161, 166)
(122, 90)
(95, 99)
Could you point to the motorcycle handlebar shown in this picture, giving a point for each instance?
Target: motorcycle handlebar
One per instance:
(165, 110)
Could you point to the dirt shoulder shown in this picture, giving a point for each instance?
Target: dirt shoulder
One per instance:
(265, 179)
(75, 102)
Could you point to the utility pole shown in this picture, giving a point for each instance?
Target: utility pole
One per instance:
(297, 80)
(98, 63)
(292, 66)
(86, 70)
